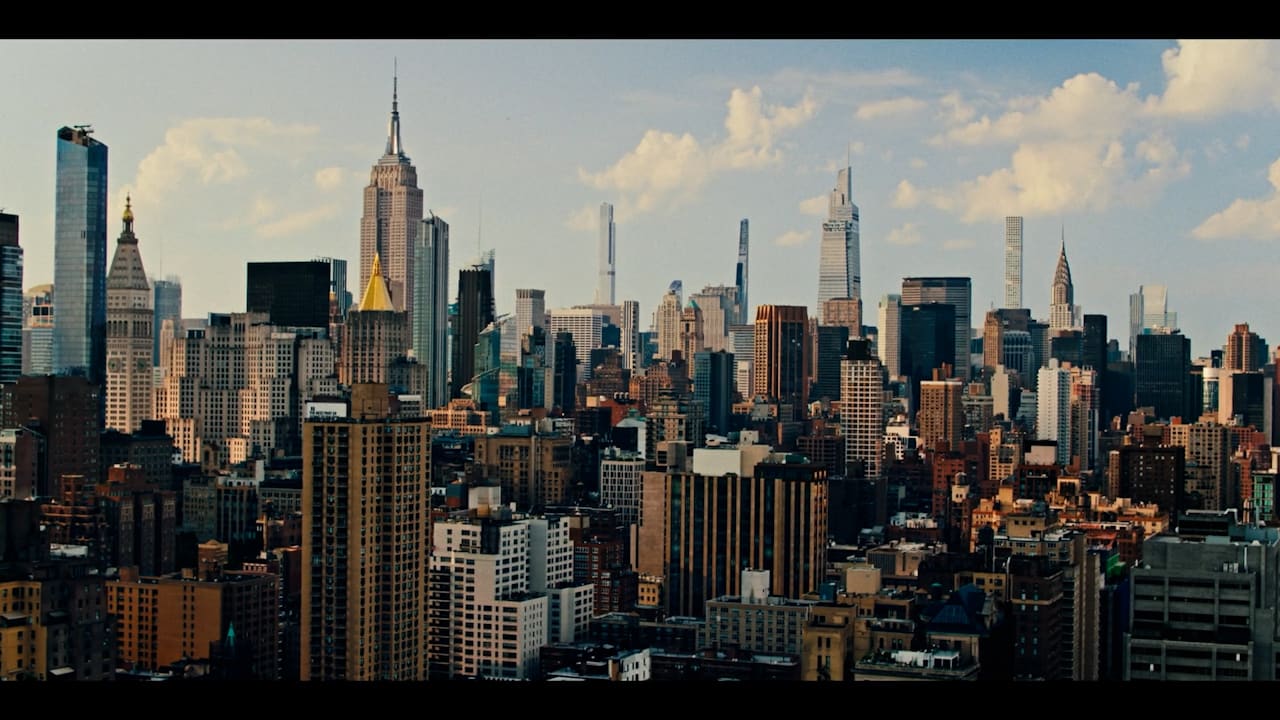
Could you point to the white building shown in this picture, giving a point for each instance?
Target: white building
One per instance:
(1013, 262)
(1053, 408)
(585, 325)
(862, 412)
(129, 335)
(621, 476)
(889, 340)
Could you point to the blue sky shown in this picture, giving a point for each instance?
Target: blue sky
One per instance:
(1159, 159)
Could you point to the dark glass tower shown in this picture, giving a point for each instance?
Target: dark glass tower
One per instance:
(80, 256)
(713, 387)
(1161, 372)
(475, 312)
(832, 342)
(928, 341)
(293, 294)
(10, 300)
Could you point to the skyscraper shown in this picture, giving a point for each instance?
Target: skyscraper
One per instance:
(167, 304)
(740, 275)
(11, 310)
(1149, 310)
(130, 320)
(861, 408)
(941, 417)
(37, 330)
(605, 280)
(1053, 409)
(954, 291)
(889, 339)
(392, 216)
(1013, 262)
(631, 335)
(1161, 372)
(430, 316)
(839, 266)
(585, 325)
(1244, 350)
(475, 312)
(713, 387)
(1062, 309)
(80, 255)
(666, 322)
(338, 284)
(782, 347)
(376, 335)
(292, 294)
(531, 310)
(927, 331)
(366, 494)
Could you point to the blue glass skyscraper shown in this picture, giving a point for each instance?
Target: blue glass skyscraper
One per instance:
(80, 256)
(11, 314)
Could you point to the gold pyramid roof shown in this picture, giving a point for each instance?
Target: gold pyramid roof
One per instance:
(376, 295)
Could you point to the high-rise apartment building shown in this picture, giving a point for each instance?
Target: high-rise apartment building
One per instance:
(941, 416)
(366, 493)
(130, 324)
(691, 339)
(292, 294)
(80, 255)
(844, 312)
(702, 561)
(1013, 262)
(11, 316)
(37, 330)
(782, 349)
(1207, 448)
(862, 408)
(430, 315)
(1062, 309)
(1053, 409)
(606, 276)
(1086, 410)
(744, 315)
(392, 217)
(167, 305)
(954, 291)
(1244, 350)
(66, 411)
(839, 263)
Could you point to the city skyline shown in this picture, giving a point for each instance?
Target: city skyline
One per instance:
(1153, 154)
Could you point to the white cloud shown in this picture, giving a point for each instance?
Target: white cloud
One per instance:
(666, 168)
(1205, 78)
(1084, 106)
(887, 108)
(585, 218)
(211, 151)
(958, 244)
(1242, 142)
(835, 84)
(955, 111)
(296, 222)
(908, 234)
(906, 196)
(1257, 219)
(263, 207)
(1215, 149)
(918, 163)
(816, 205)
(791, 238)
(329, 178)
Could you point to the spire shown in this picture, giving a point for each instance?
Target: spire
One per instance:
(393, 129)
(126, 235)
(376, 296)
(1062, 274)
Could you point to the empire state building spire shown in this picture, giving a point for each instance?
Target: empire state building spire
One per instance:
(393, 126)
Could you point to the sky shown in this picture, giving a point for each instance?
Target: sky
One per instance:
(1158, 161)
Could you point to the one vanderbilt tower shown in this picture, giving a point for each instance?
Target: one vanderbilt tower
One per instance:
(392, 214)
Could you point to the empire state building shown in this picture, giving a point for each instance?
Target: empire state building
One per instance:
(392, 214)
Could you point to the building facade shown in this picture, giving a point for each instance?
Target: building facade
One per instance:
(80, 255)
(130, 327)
